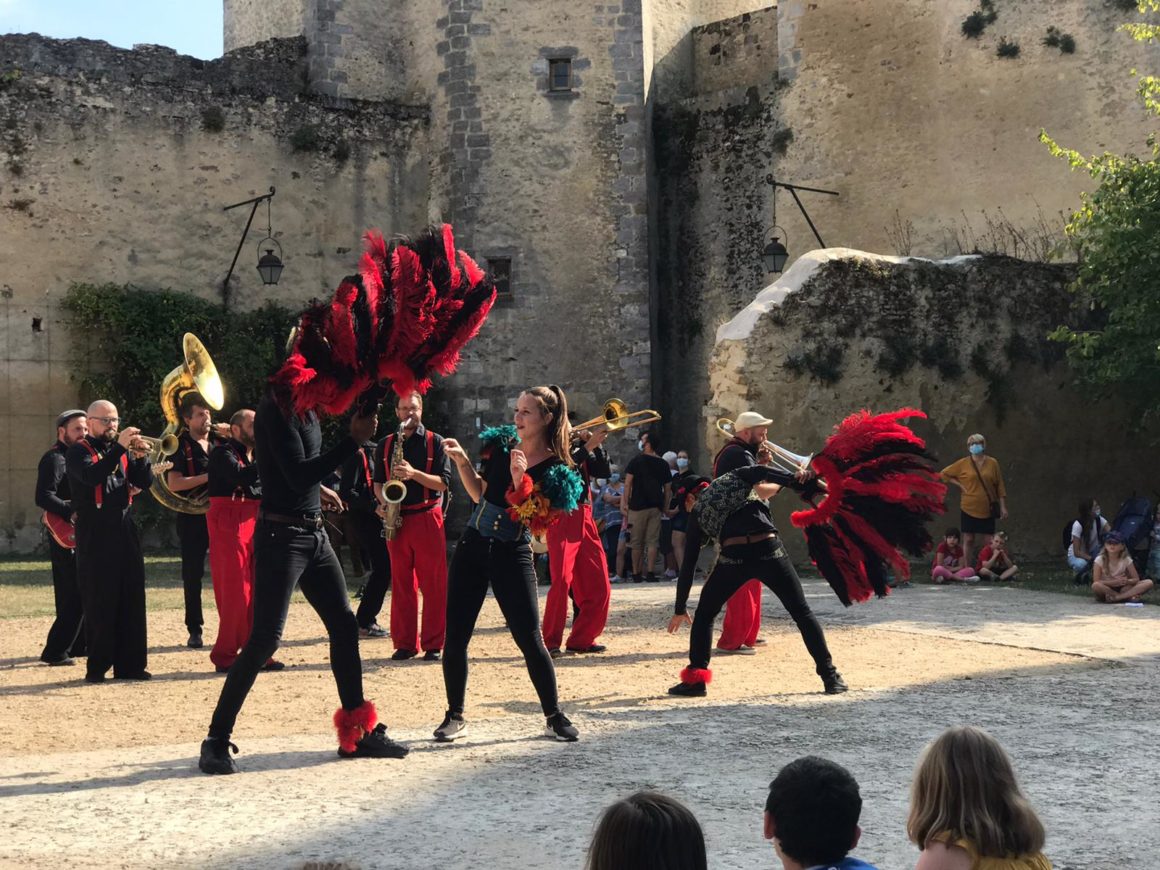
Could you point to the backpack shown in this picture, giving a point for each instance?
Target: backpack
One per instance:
(1134, 521)
(724, 497)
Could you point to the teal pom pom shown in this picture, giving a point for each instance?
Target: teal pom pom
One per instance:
(504, 437)
(563, 487)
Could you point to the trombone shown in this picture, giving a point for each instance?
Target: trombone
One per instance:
(616, 416)
(786, 460)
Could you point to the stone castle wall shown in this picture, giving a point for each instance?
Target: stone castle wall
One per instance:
(108, 173)
(964, 341)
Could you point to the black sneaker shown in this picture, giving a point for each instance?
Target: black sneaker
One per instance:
(136, 676)
(650, 577)
(195, 641)
(96, 678)
(401, 655)
(452, 728)
(57, 663)
(555, 652)
(581, 650)
(834, 683)
(560, 727)
(215, 756)
(376, 744)
(688, 690)
(637, 578)
(432, 655)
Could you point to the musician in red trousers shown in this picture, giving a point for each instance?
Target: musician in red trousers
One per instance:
(743, 611)
(418, 549)
(576, 559)
(234, 495)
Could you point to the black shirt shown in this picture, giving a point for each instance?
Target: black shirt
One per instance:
(751, 519)
(497, 472)
(736, 454)
(415, 453)
(355, 487)
(650, 475)
(590, 465)
(52, 490)
(232, 473)
(105, 472)
(290, 462)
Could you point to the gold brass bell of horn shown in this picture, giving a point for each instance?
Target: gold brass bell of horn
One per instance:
(196, 374)
(616, 416)
(394, 491)
(786, 460)
(166, 445)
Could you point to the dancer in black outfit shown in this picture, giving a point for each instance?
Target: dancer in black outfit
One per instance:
(750, 549)
(291, 548)
(495, 548)
(65, 638)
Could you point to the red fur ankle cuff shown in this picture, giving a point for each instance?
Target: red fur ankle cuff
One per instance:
(351, 725)
(697, 675)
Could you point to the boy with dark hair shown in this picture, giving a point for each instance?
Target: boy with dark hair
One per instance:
(811, 815)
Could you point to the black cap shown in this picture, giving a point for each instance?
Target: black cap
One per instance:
(65, 416)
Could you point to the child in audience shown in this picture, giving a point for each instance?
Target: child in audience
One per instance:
(995, 560)
(647, 831)
(950, 562)
(811, 815)
(967, 811)
(1115, 578)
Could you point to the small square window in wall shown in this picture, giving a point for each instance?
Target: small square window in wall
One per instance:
(560, 74)
(501, 275)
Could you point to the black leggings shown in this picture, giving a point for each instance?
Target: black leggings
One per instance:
(368, 531)
(284, 556)
(508, 568)
(765, 561)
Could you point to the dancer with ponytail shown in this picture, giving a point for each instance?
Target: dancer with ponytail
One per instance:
(525, 481)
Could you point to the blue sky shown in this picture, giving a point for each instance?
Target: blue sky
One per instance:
(189, 26)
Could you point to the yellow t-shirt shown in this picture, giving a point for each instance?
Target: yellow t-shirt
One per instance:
(979, 862)
(975, 501)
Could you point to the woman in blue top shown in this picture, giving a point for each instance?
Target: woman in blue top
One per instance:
(524, 480)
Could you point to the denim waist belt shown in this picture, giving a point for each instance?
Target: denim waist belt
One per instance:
(492, 521)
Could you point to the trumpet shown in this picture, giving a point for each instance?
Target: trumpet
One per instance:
(166, 445)
(616, 416)
(786, 460)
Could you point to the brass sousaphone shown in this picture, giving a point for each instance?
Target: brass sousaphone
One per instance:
(197, 374)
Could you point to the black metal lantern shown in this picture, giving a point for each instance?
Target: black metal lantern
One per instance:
(775, 254)
(270, 264)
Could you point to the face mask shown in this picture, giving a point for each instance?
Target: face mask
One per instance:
(640, 446)
(615, 478)
(601, 482)
(976, 449)
(682, 463)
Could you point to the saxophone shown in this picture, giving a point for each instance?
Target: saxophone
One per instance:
(394, 491)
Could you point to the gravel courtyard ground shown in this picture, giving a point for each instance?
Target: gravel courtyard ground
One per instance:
(105, 776)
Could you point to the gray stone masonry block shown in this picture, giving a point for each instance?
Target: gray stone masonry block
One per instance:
(478, 140)
(622, 50)
(456, 17)
(455, 30)
(326, 88)
(460, 42)
(475, 126)
(461, 100)
(624, 100)
(479, 154)
(440, 23)
(479, 29)
(473, 113)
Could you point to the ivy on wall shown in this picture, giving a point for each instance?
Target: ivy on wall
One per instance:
(127, 339)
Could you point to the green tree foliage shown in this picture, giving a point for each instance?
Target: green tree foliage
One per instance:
(1116, 231)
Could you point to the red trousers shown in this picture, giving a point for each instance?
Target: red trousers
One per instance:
(419, 564)
(231, 563)
(576, 557)
(742, 617)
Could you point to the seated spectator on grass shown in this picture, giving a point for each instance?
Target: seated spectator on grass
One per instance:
(811, 815)
(967, 811)
(995, 560)
(647, 831)
(1087, 536)
(1116, 579)
(950, 562)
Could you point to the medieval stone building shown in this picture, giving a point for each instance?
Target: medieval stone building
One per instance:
(607, 160)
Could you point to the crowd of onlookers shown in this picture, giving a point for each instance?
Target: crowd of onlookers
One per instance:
(1098, 554)
(967, 811)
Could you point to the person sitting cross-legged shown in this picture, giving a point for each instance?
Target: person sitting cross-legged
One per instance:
(1115, 579)
(995, 561)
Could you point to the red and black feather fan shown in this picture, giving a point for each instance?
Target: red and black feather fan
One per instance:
(881, 490)
(405, 317)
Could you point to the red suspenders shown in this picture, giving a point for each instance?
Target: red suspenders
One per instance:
(428, 500)
(99, 494)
